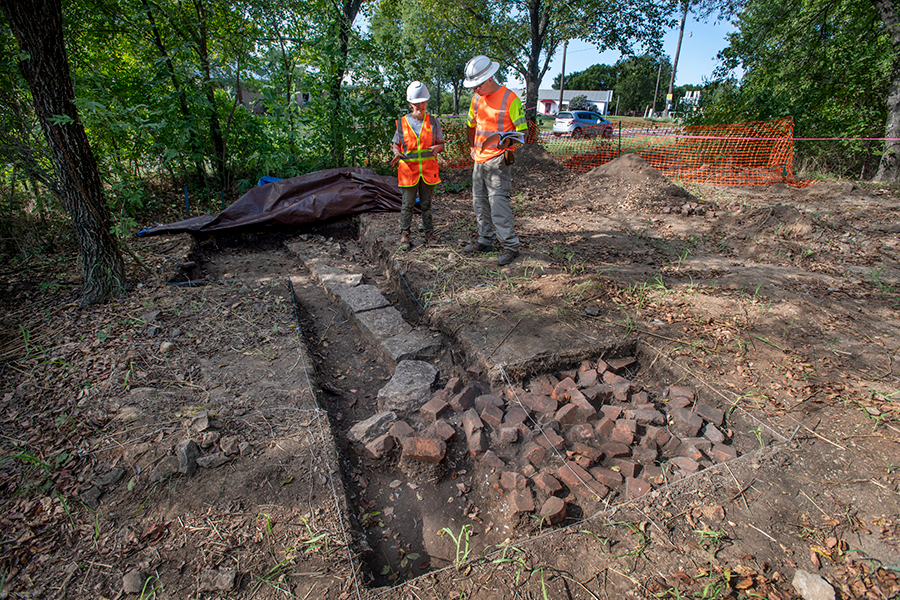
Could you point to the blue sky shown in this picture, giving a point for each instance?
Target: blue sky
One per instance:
(701, 43)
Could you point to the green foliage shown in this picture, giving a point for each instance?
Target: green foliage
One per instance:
(581, 102)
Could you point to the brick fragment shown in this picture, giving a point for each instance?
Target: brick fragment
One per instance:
(539, 403)
(690, 450)
(561, 389)
(686, 423)
(580, 432)
(433, 409)
(678, 402)
(509, 435)
(485, 399)
(678, 391)
(424, 449)
(621, 387)
(471, 422)
(380, 446)
(534, 453)
(573, 476)
(401, 429)
(553, 511)
(582, 461)
(441, 430)
(653, 474)
(644, 455)
(547, 483)
(478, 442)
(671, 447)
(521, 501)
(708, 413)
(628, 468)
(599, 393)
(621, 435)
(588, 378)
(722, 453)
(454, 386)
(566, 414)
(594, 491)
(617, 364)
(685, 464)
(607, 477)
(465, 399)
(604, 427)
(493, 461)
(515, 415)
(592, 453)
(646, 417)
(641, 397)
(615, 450)
(585, 365)
(528, 471)
(513, 480)
(550, 439)
(635, 488)
(611, 412)
(492, 415)
(629, 425)
(585, 411)
(602, 367)
(712, 433)
(543, 385)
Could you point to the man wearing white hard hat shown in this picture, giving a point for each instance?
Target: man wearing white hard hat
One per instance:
(494, 109)
(417, 141)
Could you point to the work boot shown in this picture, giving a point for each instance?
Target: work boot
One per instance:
(405, 241)
(506, 257)
(478, 247)
(429, 238)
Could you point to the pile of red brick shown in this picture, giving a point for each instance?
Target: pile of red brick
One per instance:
(584, 436)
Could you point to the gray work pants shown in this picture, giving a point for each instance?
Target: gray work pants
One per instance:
(491, 182)
(423, 192)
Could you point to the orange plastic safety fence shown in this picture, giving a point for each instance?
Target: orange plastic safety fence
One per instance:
(741, 154)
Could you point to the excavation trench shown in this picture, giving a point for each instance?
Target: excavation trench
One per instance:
(543, 442)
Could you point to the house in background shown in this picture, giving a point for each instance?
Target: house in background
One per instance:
(548, 100)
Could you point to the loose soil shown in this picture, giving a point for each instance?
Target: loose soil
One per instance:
(779, 305)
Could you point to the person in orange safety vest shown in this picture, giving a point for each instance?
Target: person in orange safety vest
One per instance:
(417, 141)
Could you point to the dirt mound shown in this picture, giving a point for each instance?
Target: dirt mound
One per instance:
(537, 170)
(629, 182)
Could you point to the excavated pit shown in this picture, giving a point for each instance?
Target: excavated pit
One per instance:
(476, 459)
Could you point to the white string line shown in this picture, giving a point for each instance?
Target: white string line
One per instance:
(552, 446)
(324, 442)
(733, 403)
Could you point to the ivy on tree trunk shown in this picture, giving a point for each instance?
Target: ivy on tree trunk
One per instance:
(38, 28)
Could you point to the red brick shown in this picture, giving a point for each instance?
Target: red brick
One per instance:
(628, 468)
(466, 398)
(678, 402)
(722, 453)
(534, 453)
(515, 415)
(512, 480)
(653, 474)
(617, 364)
(566, 414)
(543, 385)
(573, 476)
(592, 453)
(644, 455)
(528, 471)
(478, 442)
(691, 451)
(585, 410)
(380, 446)
(594, 491)
(635, 488)
(493, 461)
(559, 392)
(671, 447)
(471, 422)
(509, 435)
(441, 430)
(686, 423)
(611, 412)
(685, 464)
(433, 409)
(598, 394)
(492, 415)
(553, 511)
(712, 433)
(604, 427)
(454, 386)
(646, 417)
(547, 483)
(424, 449)
(550, 439)
(621, 436)
(602, 367)
(615, 450)
(401, 429)
(539, 403)
(641, 397)
(677, 391)
(521, 501)
(585, 365)
(607, 477)
(708, 413)
(588, 378)
(485, 399)
(580, 432)
(582, 461)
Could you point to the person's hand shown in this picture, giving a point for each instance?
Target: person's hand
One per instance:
(504, 143)
(472, 152)
(395, 160)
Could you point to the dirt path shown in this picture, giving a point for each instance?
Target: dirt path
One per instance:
(779, 306)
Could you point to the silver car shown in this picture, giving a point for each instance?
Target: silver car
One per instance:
(578, 123)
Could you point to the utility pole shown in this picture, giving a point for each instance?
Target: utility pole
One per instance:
(670, 95)
(656, 89)
(562, 77)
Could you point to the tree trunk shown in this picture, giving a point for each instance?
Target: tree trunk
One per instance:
(37, 26)
(670, 96)
(889, 167)
(215, 127)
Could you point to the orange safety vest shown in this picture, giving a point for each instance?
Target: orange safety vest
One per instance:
(500, 111)
(419, 161)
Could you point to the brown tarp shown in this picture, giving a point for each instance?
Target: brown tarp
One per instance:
(310, 198)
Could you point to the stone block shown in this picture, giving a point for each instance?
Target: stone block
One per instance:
(359, 298)
(539, 403)
(409, 388)
(423, 449)
(413, 345)
(381, 324)
(369, 429)
(547, 483)
(553, 511)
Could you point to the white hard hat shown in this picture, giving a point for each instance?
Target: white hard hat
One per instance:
(417, 92)
(479, 70)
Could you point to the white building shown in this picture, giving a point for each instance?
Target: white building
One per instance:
(548, 100)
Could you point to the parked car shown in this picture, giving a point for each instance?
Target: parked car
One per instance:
(578, 123)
